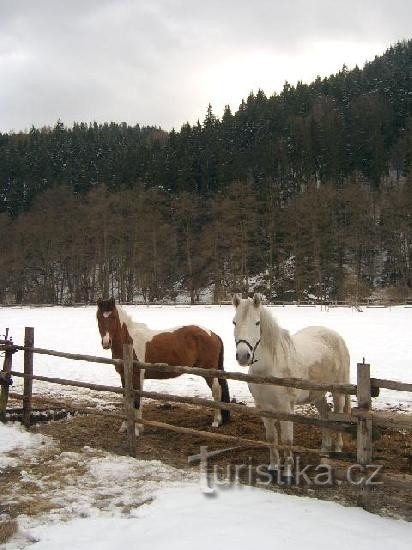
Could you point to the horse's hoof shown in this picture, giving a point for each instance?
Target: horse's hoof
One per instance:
(287, 476)
(275, 473)
(281, 476)
(123, 428)
(215, 424)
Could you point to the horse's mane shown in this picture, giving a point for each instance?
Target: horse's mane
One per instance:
(275, 338)
(131, 325)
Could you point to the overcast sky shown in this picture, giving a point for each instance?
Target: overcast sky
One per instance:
(161, 62)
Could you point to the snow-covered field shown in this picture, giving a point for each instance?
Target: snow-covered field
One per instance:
(381, 336)
(105, 501)
(98, 500)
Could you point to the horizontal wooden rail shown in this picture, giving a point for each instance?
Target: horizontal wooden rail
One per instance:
(397, 422)
(338, 422)
(202, 433)
(297, 383)
(391, 384)
(191, 431)
(75, 383)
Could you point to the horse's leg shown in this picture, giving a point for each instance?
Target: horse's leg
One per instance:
(272, 437)
(286, 438)
(123, 426)
(339, 401)
(217, 396)
(138, 380)
(323, 409)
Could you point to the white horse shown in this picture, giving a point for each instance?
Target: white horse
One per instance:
(317, 354)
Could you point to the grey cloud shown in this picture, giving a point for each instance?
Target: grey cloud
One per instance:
(142, 61)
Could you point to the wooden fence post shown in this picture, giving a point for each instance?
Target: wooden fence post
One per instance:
(4, 395)
(129, 397)
(364, 431)
(28, 380)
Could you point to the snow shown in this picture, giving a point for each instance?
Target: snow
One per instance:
(99, 500)
(17, 445)
(381, 336)
(90, 484)
(240, 518)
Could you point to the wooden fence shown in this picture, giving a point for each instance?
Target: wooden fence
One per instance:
(362, 418)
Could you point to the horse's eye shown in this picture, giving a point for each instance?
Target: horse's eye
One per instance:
(234, 322)
(257, 323)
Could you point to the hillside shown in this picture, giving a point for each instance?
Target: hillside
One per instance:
(306, 191)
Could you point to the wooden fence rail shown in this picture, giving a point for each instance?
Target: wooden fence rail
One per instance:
(297, 383)
(337, 421)
(390, 384)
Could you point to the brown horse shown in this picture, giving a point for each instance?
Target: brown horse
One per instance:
(189, 346)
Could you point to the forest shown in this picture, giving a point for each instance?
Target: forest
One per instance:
(306, 193)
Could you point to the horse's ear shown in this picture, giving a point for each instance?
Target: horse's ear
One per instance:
(99, 303)
(111, 303)
(257, 299)
(236, 300)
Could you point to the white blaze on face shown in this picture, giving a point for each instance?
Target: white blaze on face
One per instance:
(246, 329)
(106, 340)
(107, 314)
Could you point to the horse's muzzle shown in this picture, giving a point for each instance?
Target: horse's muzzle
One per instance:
(243, 357)
(106, 342)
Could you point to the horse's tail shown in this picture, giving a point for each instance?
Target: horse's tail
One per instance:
(223, 385)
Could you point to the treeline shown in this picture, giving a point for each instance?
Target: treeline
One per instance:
(140, 244)
(302, 192)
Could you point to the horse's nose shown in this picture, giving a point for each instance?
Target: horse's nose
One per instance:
(243, 357)
(106, 342)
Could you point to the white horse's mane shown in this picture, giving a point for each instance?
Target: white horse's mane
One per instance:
(128, 321)
(275, 339)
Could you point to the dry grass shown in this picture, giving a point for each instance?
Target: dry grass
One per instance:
(34, 505)
(8, 528)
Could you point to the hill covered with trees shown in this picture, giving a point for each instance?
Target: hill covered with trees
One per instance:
(305, 192)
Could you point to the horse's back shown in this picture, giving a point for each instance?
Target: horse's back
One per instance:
(324, 352)
(189, 345)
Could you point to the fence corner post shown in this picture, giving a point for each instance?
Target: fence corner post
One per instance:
(129, 397)
(364, 445)
(28, 376)
(5, 387)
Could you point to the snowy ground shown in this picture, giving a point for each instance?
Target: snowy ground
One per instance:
(381, 336)
(98, 500)
(55, 487)
(93, 499)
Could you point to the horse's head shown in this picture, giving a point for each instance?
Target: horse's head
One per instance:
(108, 321)
(247, 328)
